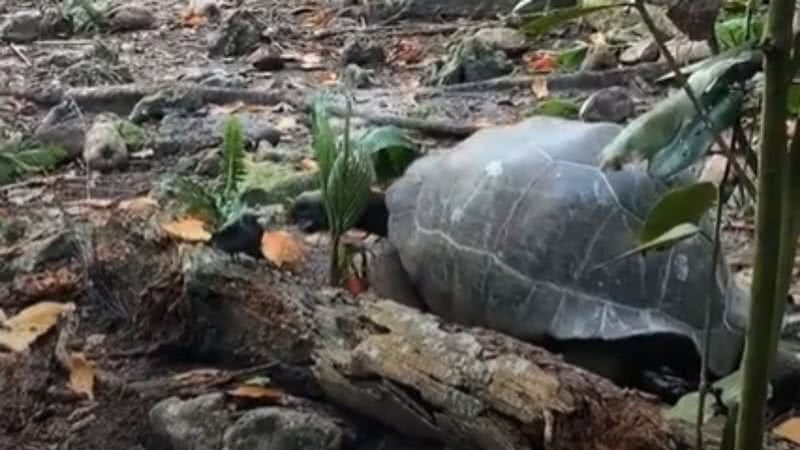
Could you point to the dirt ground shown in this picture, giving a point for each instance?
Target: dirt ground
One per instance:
(44, 415)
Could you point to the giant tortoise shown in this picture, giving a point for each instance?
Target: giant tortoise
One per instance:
(516, 229)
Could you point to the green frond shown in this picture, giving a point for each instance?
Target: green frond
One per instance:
(348, 190)
(233, 167)
(323, 140)
(197, 200)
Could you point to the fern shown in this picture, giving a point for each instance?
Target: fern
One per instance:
(233, 170)
(220, 205)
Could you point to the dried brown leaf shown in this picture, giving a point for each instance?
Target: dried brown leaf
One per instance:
(789, 429)
(261, 393)
(81, 375)
(188, 229)
(20, 331)
(282, 249)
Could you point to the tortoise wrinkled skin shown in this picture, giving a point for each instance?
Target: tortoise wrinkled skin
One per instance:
(517, 229)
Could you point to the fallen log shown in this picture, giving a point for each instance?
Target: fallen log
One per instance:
(465, 387)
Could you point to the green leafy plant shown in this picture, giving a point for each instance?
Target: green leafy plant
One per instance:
(220, 204)
(389, 148)
(25, 158)
(84, 15)
(539, 24)
(346, 173)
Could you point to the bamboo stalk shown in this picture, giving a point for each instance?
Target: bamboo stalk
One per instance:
(777, 44)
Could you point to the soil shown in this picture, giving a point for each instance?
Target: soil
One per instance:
(37, 411)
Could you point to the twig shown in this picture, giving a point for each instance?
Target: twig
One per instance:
(38, 181)
(704, 386)
(395, 31)
(583, 81)
(430, 127)
(19, 54)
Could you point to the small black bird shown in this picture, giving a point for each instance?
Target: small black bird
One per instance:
(241, 236)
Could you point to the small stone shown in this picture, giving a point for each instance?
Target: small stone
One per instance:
(21, 27)
(266, 59)
(105, 150)
(686, 52)
(358, 51)
(62, 126)
(239, 35)
(209, 164)
(357, 77)
(194, 424)
(131, 17)
(696, 18)
(277, 428)
(599, 57)
(612, 104)
(506, 39)
(642, 51)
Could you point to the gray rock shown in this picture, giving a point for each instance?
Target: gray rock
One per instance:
(642, 51)
(471, 60)
(38, 252)
(361, 51)
(21, 27)
(357, 77)
(209, 164)
(509, 40)
(105, 149)
(131, 17)
(275, 428)
(599, 57)
(426, 9)
(194, 424)
(612, 104)
(239, 35)
(62, 126)
(178, 133)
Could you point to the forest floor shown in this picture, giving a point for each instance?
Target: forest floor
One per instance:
(305, 46)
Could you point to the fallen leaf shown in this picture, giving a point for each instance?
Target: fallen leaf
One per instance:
(309, 164)
(542, 63)
(81, 375)
(188, 229)
(280, 248)
(407, 51)
(539, 87)
(256, 392)
(355, 284)
(327, 78)
(192, 18)
(286, 123)
(21, 330)
(139, 205)
(789, 429)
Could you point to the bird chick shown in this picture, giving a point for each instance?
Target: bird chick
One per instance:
(241, 236)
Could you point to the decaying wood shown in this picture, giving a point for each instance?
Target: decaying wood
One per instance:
(467, 387)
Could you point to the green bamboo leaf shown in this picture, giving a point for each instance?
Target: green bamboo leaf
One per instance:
(669, 237)
(389, 148)
(683, 205)
(571, 59)
(686, 407)
(323, 139)
(548, 22)
(556, 107)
